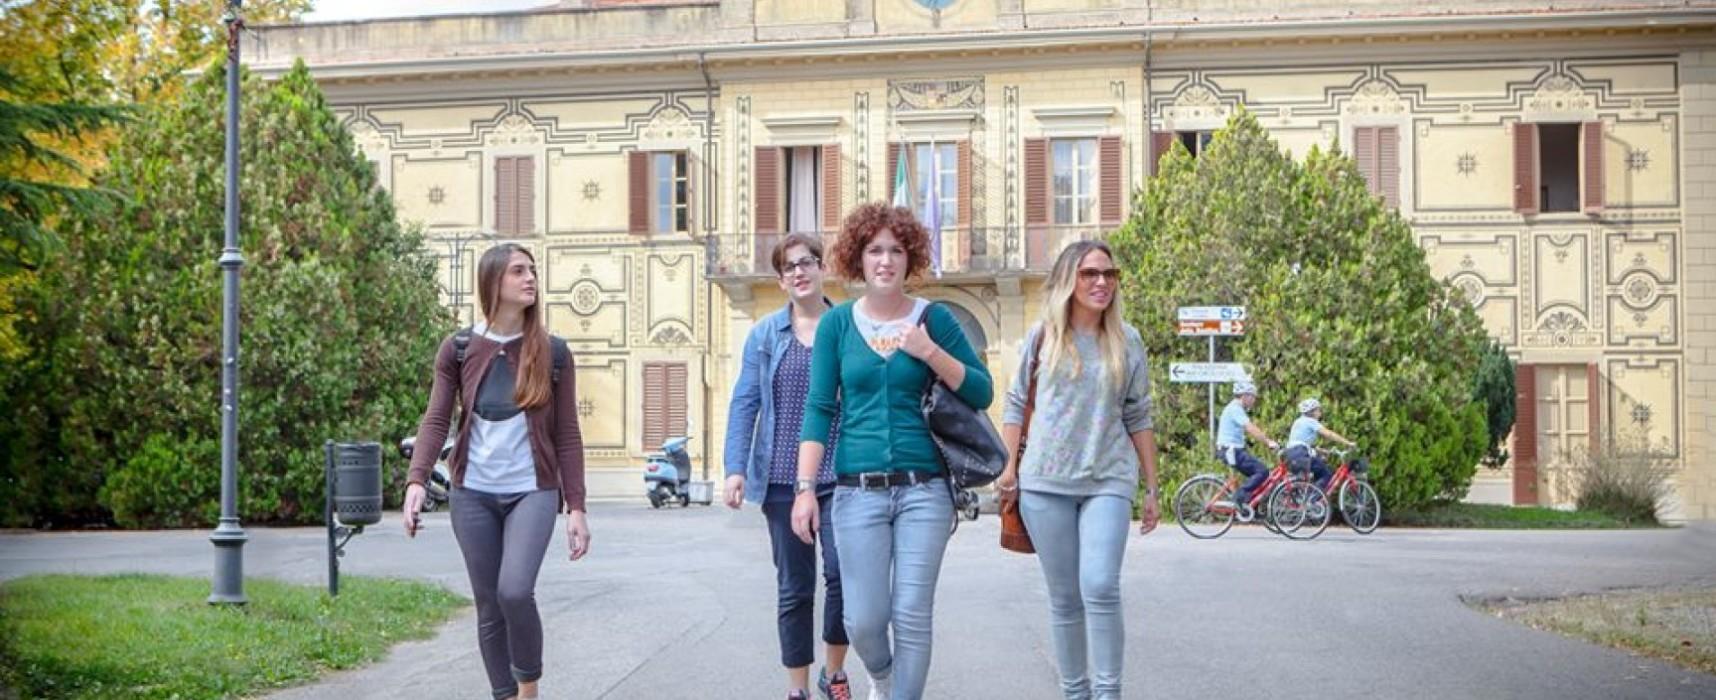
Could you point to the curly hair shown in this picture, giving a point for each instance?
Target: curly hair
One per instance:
(863, 223)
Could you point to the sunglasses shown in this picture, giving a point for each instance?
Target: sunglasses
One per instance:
(1089, 275)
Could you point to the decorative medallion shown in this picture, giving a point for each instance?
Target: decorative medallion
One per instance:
(514, 129)
(1639, 290)
(953, 93)
(1376, 97)
(1471, 288)
(1560, 94)
(1467, 163)
(670, 335)
(437, 195)
(586, 298)
(586, 407)
(1641, 413)
(668, 124)
(1638, 160)
(592, 190)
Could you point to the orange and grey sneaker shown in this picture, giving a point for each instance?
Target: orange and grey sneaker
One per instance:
(835, 688)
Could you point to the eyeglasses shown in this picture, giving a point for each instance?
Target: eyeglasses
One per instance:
(1089, 275)
(804, 265)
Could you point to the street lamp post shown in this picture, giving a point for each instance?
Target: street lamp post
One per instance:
(229, 537)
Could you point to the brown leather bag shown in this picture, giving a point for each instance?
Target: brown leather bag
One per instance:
(1014, 537)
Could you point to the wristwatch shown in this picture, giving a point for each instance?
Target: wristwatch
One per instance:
(803, 485)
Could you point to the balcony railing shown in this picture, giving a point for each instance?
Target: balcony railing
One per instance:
(965, 252)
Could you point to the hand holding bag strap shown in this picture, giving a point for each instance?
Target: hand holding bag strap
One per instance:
(1014, 536)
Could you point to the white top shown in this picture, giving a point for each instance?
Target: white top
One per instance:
(885, 337)
(499, 459)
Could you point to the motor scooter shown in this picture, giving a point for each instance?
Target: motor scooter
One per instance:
(667, 477)
(440, 478)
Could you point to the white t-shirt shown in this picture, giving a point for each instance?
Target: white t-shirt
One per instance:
(499, 458)
(886, 337)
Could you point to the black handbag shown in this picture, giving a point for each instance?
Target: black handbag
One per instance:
(971, 449)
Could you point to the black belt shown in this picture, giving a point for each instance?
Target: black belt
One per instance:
(882, 480)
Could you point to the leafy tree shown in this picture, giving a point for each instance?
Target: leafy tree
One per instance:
(1342, 307)
(1494, 387)
(29, 197)
(340, 315)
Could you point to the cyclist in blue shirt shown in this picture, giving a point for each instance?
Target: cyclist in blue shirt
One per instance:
(1234, 426)
(1302, 442)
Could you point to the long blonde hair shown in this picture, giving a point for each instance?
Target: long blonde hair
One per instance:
(1058, 301)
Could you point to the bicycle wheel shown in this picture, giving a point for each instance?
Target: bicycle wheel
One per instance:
(1192, 507)
(1262, 512)
(1360, 507)
(1301, 510)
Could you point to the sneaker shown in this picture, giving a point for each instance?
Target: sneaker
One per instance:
(881, 689)
(798, 695)
(1223, 507)
(1244, 513)
(835, 688)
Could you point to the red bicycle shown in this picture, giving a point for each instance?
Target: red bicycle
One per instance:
(1287, 504)
(1350, 488)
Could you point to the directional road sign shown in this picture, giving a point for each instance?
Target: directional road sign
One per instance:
(1206, 372)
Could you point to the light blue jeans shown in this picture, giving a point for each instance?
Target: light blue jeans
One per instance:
(1080, 542)
(891, 545)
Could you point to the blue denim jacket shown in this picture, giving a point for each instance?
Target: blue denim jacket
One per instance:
(751, 412)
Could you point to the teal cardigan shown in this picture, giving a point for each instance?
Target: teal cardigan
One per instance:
(880, 402)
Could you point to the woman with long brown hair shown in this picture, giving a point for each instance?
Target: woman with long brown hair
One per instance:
(518, 459)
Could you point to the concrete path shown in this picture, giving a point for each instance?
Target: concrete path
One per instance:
(680, 603)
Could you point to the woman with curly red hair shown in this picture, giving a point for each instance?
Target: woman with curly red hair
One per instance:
(892, 513)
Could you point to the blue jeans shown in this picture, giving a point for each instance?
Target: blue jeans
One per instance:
(891, 545)
(1302, 459)
(1253, 468)
(1080, 542)
(795, 581)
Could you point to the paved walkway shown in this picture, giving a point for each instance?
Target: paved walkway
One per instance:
(680, 603)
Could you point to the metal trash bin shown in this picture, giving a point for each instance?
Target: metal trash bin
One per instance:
(357, 482)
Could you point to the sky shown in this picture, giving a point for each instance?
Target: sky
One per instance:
(345, 10)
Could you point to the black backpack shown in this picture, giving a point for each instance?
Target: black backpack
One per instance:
(562, 354)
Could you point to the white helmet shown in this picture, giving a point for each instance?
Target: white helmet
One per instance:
(1309, 405)
(1242, 388)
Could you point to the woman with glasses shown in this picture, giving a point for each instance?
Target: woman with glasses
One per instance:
(764, 420)
(1092, 443)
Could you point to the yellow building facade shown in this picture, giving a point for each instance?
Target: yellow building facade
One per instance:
(1558, 167)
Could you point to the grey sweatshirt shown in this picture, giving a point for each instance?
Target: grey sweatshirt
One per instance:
(1080, 440)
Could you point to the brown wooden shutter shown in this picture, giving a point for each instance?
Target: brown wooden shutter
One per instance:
(677, 401)
(524, 174)
(655, 405)
(1388, 165)
(893, 170)
(831, 187)
(506, 196)
(1160, 143)
(1364, 154)
(1594, 406)
(964, 175)
(1525, 435)
(1525, 168)
(637, 179)
(1593, 168)
(1037, 183)
(768, 194)
(1111, 187)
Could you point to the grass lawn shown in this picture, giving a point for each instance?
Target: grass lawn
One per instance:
(137, 636)
(1676, 626)
(1482, 516)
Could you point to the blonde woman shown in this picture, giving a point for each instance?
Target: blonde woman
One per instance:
(1076, 483)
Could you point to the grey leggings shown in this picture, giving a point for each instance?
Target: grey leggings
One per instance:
(503, 538)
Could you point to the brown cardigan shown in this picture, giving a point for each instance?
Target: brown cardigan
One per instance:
(555, 442)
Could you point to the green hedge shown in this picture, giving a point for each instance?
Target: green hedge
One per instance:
(115, 412)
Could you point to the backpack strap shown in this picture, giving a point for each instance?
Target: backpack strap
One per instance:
(461, 346)
(562, 356)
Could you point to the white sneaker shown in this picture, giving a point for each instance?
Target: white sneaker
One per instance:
(881, 688)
